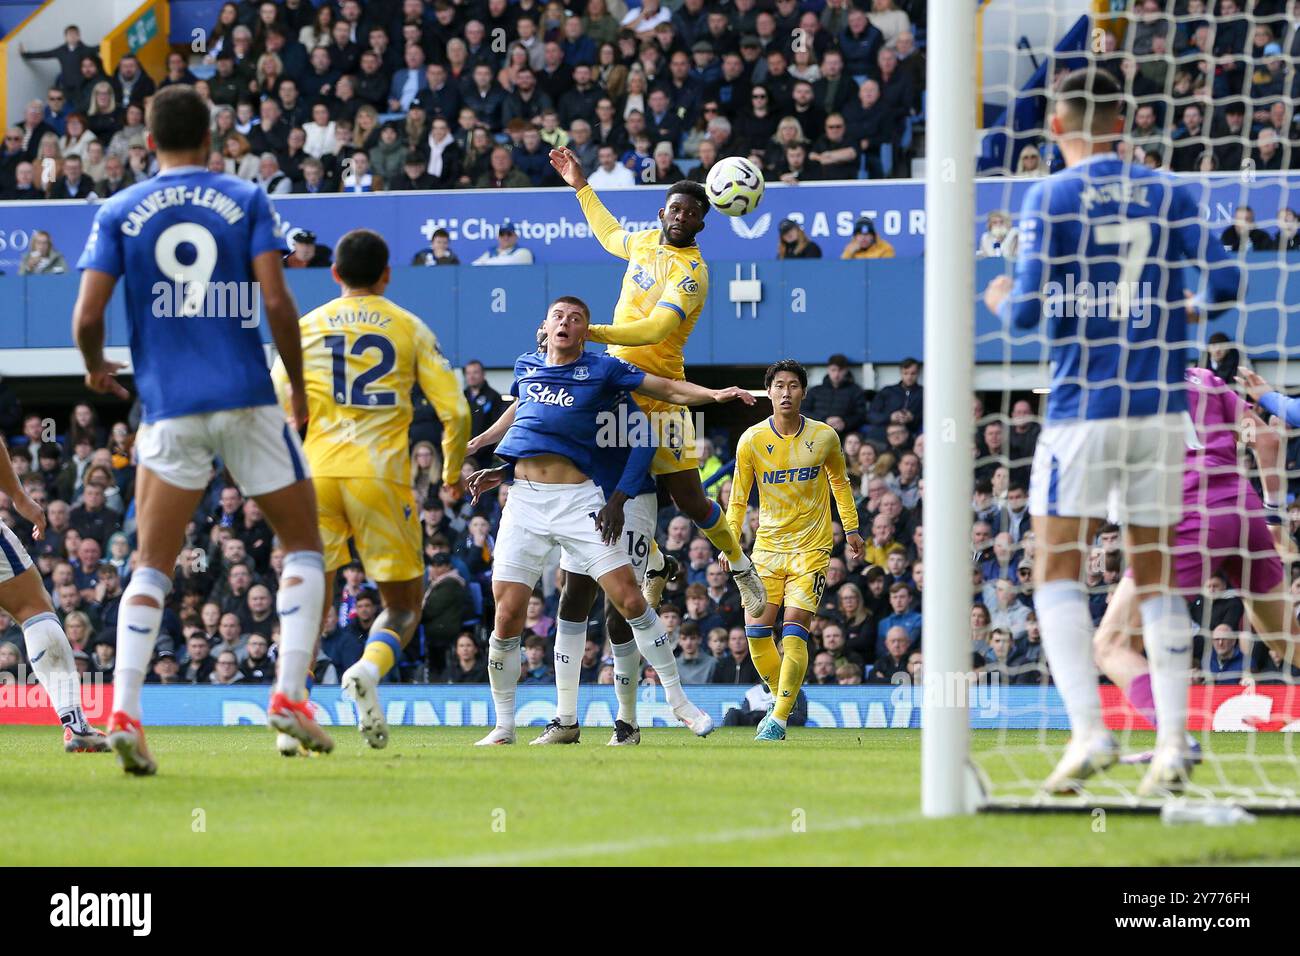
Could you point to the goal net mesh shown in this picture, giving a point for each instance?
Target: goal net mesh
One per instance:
(1209, 90)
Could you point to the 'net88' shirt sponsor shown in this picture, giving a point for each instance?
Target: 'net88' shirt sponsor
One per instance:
(560, 405)
(184, 243)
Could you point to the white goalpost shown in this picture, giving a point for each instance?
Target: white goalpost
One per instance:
(949, 365)
(1242, 723)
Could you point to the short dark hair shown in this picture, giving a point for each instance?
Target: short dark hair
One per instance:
(840, 359)
(694, 190)
(785, 365)
(899, 586)
(1017, 486)
(178, 118)
(1091, 88)
(572, 300)
(361, 258)
(443, 233)
(369, 594)
(909, 362)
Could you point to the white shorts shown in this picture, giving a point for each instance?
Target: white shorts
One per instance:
(539, 518)
(1127, 470)
(259, 447)
(14, 559)
(639, 517)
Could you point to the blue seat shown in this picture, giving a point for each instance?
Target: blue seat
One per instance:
(476, 602)
(886, 160)
(686, 165)
(203, 71)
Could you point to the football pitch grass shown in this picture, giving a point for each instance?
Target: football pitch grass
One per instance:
(224, 796)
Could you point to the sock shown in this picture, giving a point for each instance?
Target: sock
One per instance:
(1062, 608)
(794, 642)
(653, 642)
(299, 606)
(719, 534)
(503, 673)
(1139, 695)
(767, 659)
(137, 632)
(1167, 630)
(570, 640)
(51, 657)
(627, 662)
(383, 648)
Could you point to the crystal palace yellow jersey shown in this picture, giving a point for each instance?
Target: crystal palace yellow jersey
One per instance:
(663, 294)
(796, 476)
(361, 356)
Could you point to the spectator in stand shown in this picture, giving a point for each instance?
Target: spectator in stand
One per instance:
(502, 173)
(1287, 238)
(41, 257)
(737, 667)
(1221, 358)
(837, 155)
(439, 252)
(609, 172)
(414, 175)
(24, 187)
(508, 252)
(69, 55)
(793, 242)
(694, 666)
(1001, 239)
(894, 660)
(307, 252)
(901, 403)
(131, 83)
(1242, 235)
(838, 401)
(485, 403)
(865, 244)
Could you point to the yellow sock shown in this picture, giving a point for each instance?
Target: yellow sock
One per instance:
(794, 642)
(767, 659)
(719, 534)
(382, 649)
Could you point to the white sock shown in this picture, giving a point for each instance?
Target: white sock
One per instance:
(627, 664)
(658, 652)
(137, 632)
(503, 674)
(51, 657)
(742, 565)
(1062, 608)
(1167, 631)
(370, 668)
(570, 641)
(299, 606)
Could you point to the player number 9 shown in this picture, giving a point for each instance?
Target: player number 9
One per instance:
(192, 278)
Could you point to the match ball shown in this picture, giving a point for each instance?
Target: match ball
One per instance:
(735, 186)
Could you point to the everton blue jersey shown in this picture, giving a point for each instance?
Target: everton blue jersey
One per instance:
(1103, 246)
(625, 466)
(184, 242)
(560, 406)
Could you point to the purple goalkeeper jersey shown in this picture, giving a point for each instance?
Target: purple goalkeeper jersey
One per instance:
(1212, 474)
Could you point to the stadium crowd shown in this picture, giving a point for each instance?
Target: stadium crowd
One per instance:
(221, 625)
(408, 94)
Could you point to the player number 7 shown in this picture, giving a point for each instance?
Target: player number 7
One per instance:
(1134, 240)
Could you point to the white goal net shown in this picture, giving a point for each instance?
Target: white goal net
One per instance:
(1207, 92)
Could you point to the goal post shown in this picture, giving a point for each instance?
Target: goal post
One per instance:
(949, 356)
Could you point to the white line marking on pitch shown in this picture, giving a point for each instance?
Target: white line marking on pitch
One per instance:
(614, 847)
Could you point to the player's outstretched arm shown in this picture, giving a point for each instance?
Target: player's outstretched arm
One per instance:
(687, 393)
(88, 332)
(1269, 399)
(603, 225)
(440, 387)
(493, 434)
(23, 503)
(282, 316)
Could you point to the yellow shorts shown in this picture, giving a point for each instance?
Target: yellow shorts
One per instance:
(674, 429)
(382, 518)
(793, 580)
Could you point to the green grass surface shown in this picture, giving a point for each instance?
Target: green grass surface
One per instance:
(430, 798)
